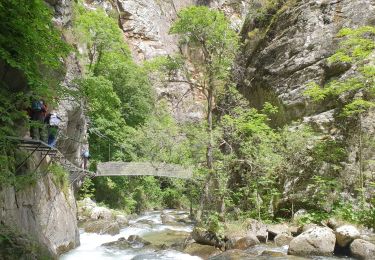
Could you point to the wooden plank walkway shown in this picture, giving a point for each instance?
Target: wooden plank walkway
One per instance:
(143, 169)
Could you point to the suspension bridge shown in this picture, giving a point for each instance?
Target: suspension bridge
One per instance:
(103, 169)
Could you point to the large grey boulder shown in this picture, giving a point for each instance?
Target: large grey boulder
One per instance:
(133, 241)
(102, 227)
(346, 234)
(242, 243)
(276, 229)
(101, 213)
(282, 239)
(362, 249)
(316, 241)
(206, 237)
(258, 228)
(43, 212)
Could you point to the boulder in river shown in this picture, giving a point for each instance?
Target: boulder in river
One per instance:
(245, 242)
(315, 241)
(362, 249)
(102, 227)
(283, 239)
(206, 237)
(203, 251)
(258, 228)
(133, 241)
(122, 220)
(233, 254)
(101, 213)
(346, 234)
(276, 229)
(167, 219)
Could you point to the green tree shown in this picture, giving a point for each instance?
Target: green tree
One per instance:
(356, 49)
(31, 53)
(208, 33)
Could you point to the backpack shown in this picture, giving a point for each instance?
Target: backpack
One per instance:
(54, 120)
(37, 105)
(86, 154)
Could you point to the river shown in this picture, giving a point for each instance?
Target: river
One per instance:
(151, 228)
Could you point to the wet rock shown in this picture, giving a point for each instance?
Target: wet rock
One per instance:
(145, 221)
(271, 253)
(122, 220)
(282, 239)
(133, 241)
(362, 249)
(234, 254)
(205, 237)
(346, 234)
(167, 219)
(246, 242)
(102, 227)
(258, 228)
(167, 237)
(203, 251)
(315, 241)
(101, 213)
(276, 229)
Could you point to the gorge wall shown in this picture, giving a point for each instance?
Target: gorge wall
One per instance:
(44, 210)
(287, 47)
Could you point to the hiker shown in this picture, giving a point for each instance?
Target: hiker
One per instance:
(53, 121)
(37, 114)
(85, 157)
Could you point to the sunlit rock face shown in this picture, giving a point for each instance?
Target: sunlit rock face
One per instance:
(146, 25)
(286, 49)
(43, 212)
(282, 55)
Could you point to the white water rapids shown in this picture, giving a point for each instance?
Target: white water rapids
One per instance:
(91, 248)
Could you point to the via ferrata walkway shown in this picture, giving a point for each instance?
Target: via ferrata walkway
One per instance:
(103, 169)
(143, 169)
(33, 146)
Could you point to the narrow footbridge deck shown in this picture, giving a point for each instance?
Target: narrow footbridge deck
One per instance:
(143, 168)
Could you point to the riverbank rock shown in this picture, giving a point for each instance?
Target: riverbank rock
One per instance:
(315, 241)
(167, 219)
(233, 254)
(346, 234)
(122, 220)
(205, 237)
(102, 227)
(362, 249)
(133, 241)
(282, 239)
(246, 242)
(258, 228)
(203, 251)
(101, 213)
(271, 253)
(276, 229)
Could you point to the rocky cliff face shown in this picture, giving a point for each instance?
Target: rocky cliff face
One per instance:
(43, 212)
(146, 24)
(284, 51)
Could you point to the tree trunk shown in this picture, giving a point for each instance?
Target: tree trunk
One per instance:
(209, 156)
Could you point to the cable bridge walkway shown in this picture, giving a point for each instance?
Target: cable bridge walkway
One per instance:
(103, 169)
